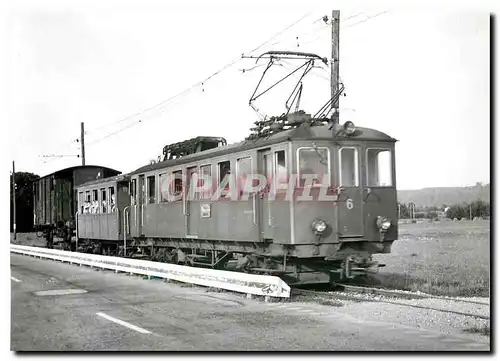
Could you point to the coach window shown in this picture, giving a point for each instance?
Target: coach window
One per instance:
(243, 170)
(151, 190)
(104, 205)
(95, 201)
(133, 191)
(379, 167)
(315, 162)
(112, 200)
(224, 171)
(205, 176)
(80, 202)
(348, 167)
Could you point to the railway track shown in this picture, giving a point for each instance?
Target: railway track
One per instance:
(370, 294)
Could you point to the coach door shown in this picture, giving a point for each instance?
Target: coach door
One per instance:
(350, 202)
(140, 206)
(265, 168)
(192, 211)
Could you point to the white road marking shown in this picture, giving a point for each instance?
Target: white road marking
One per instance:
(476, 345)
(429, 336)
(15, 279)
(123, 323)
(59, 292)
(451, 340)
(294, 308)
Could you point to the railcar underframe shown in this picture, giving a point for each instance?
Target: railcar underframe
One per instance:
(294, 263)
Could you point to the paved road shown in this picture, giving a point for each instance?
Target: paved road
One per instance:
(61, 307)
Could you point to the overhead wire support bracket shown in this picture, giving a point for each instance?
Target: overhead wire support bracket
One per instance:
(285, 54)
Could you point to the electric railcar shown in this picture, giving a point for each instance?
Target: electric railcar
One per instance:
(329, 203)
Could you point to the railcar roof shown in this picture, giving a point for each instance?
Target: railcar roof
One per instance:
(321, 132)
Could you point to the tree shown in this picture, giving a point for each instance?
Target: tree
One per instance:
(24, 201)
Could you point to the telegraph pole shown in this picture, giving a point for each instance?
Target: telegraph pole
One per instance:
(14, 196)
(335, 64)
(82, 140)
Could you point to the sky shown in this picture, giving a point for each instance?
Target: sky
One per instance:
(420, 75)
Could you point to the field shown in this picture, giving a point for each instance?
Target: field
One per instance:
(443, 258)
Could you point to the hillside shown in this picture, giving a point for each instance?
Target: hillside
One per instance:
(445, 195)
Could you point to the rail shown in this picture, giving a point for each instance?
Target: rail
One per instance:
(352, 297)
(405, 294)
(261, 285)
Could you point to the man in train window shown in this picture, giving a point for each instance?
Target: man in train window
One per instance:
(112, 203)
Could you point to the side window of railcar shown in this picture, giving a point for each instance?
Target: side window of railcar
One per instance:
(177, 183)
(163, 180)
(224, 169)
(104, 202)
(314, 162)
(205, 181)
(348, 167)
(151, 190)
(280, 171)
(379, 167)
(243, 170)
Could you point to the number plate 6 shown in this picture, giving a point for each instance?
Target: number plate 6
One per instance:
(349, 204)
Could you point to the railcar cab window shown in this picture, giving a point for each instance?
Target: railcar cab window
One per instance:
(348, 167)
(224, 171)
(379, 167)
(314, 162)
(151, 190)
(243, 170)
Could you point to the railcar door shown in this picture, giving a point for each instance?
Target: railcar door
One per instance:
(192, 211)
(262, 208)
(350, 201)
(140, 206)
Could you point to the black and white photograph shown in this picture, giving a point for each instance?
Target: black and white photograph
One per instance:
(259, 176)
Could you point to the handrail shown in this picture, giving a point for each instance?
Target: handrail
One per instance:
(125, 213)
(76, 226)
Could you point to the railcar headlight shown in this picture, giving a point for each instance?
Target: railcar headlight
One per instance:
(319, 226)
(383, 223)
(349, 127)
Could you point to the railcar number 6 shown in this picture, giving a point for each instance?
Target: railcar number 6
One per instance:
(349, 204)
